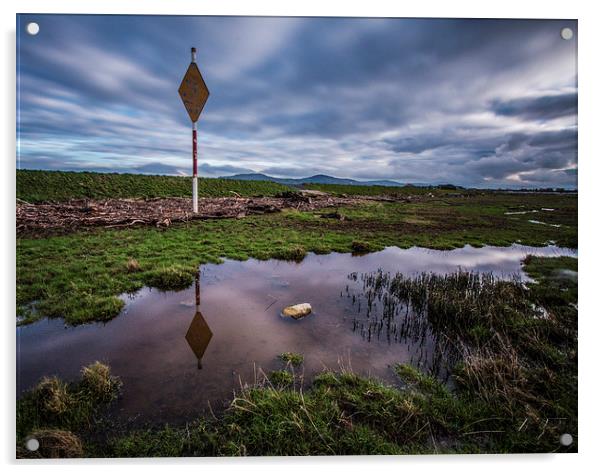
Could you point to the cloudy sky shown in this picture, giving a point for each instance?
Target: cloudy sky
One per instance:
(486, 103)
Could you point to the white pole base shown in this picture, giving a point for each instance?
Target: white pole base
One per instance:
(195, 195)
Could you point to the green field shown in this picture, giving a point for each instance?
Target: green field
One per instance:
(56, 186)
(389, 191)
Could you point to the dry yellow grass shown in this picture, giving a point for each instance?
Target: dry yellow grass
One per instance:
(52, 394)
(97, 378)
(53, 444)
(133, 265)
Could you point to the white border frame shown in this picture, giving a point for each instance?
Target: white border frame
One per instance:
(590, 316)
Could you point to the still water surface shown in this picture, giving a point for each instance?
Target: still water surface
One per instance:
(176, 358)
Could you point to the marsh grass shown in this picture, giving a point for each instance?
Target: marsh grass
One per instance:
(53, 443)
(78, 307)
(52, 396)
(290, 358)
(171, 278)
(97, 380)
(470, 305)
(281, 378)
(360, 247)
(291, 253)
(514, 389)
(194, 439)
(341, 414)
(507, 360)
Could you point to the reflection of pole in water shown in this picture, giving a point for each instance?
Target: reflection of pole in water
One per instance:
(199, 334)
(197, 291)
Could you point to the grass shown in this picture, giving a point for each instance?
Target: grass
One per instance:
(558, 277)
(390, 191)
(53, 443)
(170, 278)
(360, 247)
(281, 378)
(45, 186)
(512, 349)
(280, 420)
(290, 358)
(411, 191)
(514, 393)
(79, 276)
(195, 439)
(53, 404)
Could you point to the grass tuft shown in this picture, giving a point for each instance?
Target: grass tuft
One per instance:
(77, 308)
(171, 278)
(359, 247)
(132, 265)
(291, 253)
(98, 381)
(281, 378)
(52, 397)
(53, 444)
(294, 359)
(53, 404)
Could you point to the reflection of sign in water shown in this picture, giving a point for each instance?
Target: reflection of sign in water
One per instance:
(198, 336)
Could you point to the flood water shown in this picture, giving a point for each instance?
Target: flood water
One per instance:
(176, 358)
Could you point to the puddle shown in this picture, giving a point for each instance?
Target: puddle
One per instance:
(557, 225)
(522, 212)
(178, 352)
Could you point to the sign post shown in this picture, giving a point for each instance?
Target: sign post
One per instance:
(194, 94)
(195, 184)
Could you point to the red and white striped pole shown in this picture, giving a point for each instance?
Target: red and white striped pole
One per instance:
(195, 188)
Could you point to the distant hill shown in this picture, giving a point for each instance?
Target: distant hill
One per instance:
(317, 179)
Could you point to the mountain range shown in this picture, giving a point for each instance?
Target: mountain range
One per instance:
(317, 179)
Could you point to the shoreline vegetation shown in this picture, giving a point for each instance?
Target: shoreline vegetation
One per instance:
(515, 387)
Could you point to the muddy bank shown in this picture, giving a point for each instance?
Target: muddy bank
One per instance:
(63, 217)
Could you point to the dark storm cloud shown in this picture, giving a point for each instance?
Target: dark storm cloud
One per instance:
(530, 155)
(539, 108)
(415, 100)
(444, 139)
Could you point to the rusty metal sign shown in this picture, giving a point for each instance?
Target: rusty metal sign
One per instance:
(194, 92)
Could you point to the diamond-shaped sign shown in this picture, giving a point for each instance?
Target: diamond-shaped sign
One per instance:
(194, 91)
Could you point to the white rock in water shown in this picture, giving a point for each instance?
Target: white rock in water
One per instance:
(297, 311)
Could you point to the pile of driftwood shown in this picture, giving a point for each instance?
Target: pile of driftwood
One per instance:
(44, 218)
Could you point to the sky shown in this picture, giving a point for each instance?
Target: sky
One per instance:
(478, 103)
